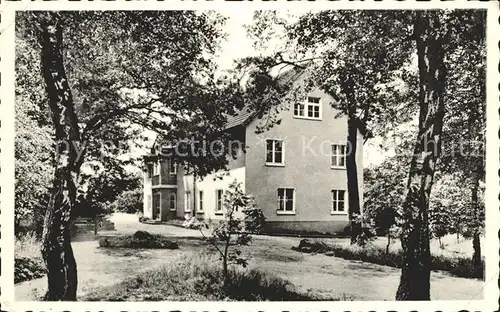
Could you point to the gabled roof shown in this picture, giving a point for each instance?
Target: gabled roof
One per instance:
(241, 118)
(285, 74)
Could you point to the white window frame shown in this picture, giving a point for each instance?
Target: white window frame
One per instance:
(273, 163)
(174, 201)
(156, 168)
(334, 202)
(304, 112)
(294, 200)
(187, 201)
(219, 201)
(200, 208)
(338, 156)
(174, 167)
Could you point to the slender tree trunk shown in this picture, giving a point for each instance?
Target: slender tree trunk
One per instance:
(96, 224)
(415, 274)
(224, 261)
(476, 243)
(388, 242)
(352, 177)
(56, 246)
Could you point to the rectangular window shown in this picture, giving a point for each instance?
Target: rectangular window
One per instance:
(173, 168)
(150, 170)
(187, 207)
(218, 201)
(298, 109)
(200, 201)
(172, 201)
(338, 155)
(156, 168)
(311, 108)
(339, 201)
(275, 152)
(286, 200)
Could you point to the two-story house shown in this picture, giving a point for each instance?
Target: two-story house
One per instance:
(296, 171)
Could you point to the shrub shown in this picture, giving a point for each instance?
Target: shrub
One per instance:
(193, 223)
(130, 201)
(26, 269)
(27, 245)
(199, 278)
(140, 239)
(458, 266)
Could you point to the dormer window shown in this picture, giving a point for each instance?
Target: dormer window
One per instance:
(310, 109)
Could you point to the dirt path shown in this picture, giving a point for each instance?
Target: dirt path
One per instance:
(348, 279)
(328, 276)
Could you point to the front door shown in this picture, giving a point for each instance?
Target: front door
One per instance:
(156, 206)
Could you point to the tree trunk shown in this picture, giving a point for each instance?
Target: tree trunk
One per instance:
(476, 243)
(96, 224)
(352, 178)
(415, 274)
(56, 246)
(388, 242)
(224, 262)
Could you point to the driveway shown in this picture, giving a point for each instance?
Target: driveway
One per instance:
(322, 275)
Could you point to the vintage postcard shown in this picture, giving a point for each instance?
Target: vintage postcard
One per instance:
(249, 155)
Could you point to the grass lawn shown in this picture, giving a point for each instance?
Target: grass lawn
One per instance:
(115, 270)
(199, 278)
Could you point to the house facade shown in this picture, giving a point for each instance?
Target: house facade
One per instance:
(296, 172)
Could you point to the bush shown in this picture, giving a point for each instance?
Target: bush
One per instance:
(130, 201)
(458, 266)
(26, 269)
(140, 239)
(199, 278)
(27, 245)
(193, 223)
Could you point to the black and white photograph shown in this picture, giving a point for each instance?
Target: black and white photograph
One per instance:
(245, 154)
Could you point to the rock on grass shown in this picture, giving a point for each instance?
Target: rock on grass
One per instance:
(140, 239)
(308, 246)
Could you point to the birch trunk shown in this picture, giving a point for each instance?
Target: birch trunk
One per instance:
(415, 275)
(56, 245)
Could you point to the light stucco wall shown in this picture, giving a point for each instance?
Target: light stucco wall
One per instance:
(148, 197)
(209, 185)
(307, 165)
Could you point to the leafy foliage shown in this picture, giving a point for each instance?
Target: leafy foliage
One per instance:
(129, 201)
(103, 190)
(231, 230)
(26, 269)
(33, 144)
